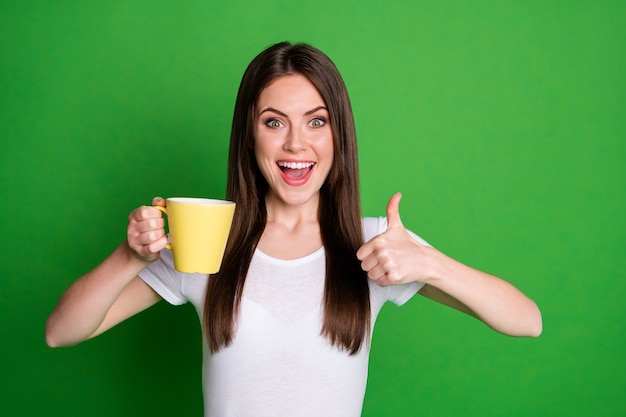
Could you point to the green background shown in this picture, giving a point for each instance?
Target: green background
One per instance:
(501, 122)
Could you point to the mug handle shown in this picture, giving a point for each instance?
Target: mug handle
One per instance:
(164, 210)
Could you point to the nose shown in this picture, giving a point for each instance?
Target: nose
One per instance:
(295, 141)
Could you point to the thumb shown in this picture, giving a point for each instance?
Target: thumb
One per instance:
(393, 212)
(158, 201)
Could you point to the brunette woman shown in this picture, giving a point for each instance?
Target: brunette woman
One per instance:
(288, 320)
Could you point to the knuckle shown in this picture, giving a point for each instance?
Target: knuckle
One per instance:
(135, 247)
(144, 212)
(379, 243)
(394, 276)
(131, 233)
(133, 215)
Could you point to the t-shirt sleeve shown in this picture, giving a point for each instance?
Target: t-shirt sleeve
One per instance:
(400, 294)
(161, 276)
(397, 294)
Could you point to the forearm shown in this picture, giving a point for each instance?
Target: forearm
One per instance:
(83, 307)
(494, 301)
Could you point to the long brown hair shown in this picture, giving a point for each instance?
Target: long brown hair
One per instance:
(346, 292)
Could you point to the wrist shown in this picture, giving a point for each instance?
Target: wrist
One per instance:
(440, 268)
(132, 257)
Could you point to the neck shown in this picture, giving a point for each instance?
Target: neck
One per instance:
(290, 215)
(292, 231)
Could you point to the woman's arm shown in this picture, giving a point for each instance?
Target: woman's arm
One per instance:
(112, 291)
(394, 257)
(493, 300)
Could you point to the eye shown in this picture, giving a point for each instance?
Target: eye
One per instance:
(273, 123)
(317, 122)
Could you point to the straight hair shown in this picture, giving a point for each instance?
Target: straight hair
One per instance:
(346, 305)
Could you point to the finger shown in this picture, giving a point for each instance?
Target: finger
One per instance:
(380, 277)
(158, 201)
(150, 252)
(148, 225)
(393, 212)
(383, 281)
(364, 251)
(147, 243)
(368, 263)
(376, 273)
(157, 245)
(145, 213)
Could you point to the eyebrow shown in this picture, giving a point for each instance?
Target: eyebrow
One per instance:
(308, 113)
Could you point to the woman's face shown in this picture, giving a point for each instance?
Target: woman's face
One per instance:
(293, 140)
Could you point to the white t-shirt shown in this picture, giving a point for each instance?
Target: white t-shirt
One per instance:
(279, 364)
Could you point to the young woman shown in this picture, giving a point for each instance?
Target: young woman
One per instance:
(288, 319)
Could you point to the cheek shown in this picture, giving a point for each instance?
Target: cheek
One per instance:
(263, 156)
(260, 145)
(329, 152)
(261, 159)
(329, 148)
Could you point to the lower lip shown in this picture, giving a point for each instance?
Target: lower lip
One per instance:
(296, 182)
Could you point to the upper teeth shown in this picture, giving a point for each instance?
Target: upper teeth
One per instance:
(295, 165)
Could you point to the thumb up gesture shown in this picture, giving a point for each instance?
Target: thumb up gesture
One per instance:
(394, 257)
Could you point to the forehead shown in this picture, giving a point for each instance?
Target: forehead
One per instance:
(290, 90)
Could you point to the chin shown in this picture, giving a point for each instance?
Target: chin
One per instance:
(298, 198)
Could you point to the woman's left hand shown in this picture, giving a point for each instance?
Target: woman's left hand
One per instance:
(394, 257)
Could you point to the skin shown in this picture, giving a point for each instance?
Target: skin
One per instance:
(112, 292)
(394, 257)
(290, 127)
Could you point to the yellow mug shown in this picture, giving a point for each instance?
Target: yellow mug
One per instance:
(199, 229)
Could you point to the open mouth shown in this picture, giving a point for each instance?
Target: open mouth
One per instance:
(295, 170)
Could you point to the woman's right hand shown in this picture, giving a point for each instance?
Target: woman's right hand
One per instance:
(146, 231)
(113, 291)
